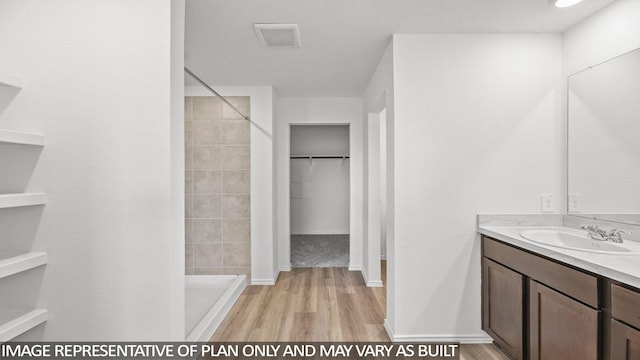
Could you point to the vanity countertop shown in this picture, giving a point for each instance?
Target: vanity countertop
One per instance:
(622, 268)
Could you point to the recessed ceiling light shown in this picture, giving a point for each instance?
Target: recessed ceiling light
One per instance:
(565, 3)
(278, 35)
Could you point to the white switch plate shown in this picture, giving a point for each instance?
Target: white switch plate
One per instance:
(575, 203)
(548, 203)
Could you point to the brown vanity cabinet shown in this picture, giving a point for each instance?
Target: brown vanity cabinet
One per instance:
(625, 323)
(502, 312)
(537, 308)
(560, 327)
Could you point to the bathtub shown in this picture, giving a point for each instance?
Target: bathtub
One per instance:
(208, 299)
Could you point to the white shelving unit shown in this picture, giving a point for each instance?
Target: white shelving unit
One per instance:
(14, 322)
(21, 138)
(18, 200)
(15, 263)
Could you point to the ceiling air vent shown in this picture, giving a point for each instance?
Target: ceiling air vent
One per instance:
(280, 36)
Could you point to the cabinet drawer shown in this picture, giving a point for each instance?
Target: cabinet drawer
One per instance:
(625, 305)
(575, 283)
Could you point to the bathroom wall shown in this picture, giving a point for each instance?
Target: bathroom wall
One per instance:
(475, 126)
(320, 111)
(217, 187)
(102, 95)
(319, 187)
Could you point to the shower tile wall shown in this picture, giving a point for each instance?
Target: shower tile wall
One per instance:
(217, 187)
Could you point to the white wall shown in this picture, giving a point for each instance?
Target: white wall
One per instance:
(319, 187)
(98, 81)
(264, 271)
(346, 111)
(610, 32)
(475, 125)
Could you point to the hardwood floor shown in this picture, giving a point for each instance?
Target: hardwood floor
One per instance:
(318, 304)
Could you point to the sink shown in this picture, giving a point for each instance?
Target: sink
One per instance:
(567, 240)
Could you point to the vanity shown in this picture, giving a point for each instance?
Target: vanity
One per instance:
(545, 303)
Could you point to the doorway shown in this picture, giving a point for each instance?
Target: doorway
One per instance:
(319, 195)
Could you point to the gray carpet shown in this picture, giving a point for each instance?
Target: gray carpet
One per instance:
(319, 251)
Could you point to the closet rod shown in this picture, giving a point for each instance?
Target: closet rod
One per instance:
(216, 93)
(319, 157)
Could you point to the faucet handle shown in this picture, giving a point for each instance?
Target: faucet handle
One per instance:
(616, 235)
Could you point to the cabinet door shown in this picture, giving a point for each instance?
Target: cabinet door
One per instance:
(502, 307)
(625, 342)
(560, 327)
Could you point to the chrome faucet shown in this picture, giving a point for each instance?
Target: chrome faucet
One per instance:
(595, 233)
(615, 235)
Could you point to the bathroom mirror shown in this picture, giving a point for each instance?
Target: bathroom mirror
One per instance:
(603, 174)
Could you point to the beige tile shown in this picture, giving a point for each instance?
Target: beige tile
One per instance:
(188, 182)
(188, 206)
(207, 230)
(188, 231)
(207, 206)
(206, 157)
(236, 181)
(240, 102)
(207, 255)
(239, 270)
(235, 132)
(188, 109)
(208, 271)
(188, 259)
(236, 254)
(236, 206)
(188, 133)
(207, 182)
(207, 132)
(188, 158)
(189, 271)
(236, 230)
(236, 157)
(206, 108)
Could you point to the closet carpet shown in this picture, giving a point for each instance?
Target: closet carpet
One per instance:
(319, 251)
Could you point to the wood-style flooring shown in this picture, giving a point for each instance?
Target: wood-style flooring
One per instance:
(318, 304)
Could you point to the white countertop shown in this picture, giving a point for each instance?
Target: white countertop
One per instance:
(623, 268)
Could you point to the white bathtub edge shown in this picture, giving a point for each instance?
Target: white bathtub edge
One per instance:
(214, 317)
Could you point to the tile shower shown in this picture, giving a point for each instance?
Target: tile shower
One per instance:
(217, 187)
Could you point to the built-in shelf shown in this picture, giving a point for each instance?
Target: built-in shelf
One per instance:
(14, 322)
(17, 200)
(14, 263)
(21, 138)
(8, 80)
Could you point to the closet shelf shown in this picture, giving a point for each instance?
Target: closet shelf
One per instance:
(14, 322)
(17, 200)
(8, 80)
(15, 263)
(21, 138)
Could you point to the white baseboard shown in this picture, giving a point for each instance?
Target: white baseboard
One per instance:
(480, 338)
(285, 268)
(355, 268)
(444, 338)
(263, 282)
(369, 283)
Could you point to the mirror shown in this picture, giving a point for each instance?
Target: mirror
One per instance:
(603, 174)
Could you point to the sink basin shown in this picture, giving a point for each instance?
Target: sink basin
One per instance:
(572, 241)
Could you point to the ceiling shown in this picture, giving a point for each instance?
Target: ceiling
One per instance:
(342, 40)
